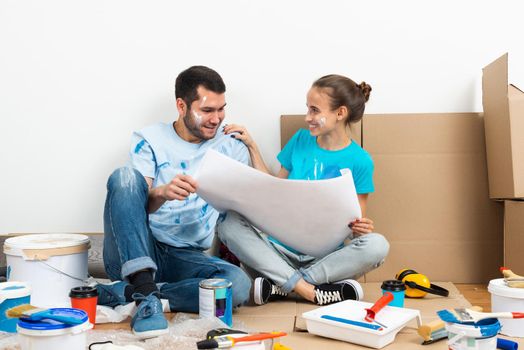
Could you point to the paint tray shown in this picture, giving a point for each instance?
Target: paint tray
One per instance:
(345, 321)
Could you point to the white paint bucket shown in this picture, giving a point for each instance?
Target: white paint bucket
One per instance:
(479, 336)
(504, 299)
(51, 263)
(48, 334)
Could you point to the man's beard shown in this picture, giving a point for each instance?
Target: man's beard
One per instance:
(191, 123)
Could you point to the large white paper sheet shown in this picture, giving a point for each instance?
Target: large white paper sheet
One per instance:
(309, 216)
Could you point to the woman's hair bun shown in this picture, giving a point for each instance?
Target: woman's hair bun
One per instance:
(366, 89)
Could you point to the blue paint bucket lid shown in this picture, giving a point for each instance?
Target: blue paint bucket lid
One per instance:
(13, 290)
(48, 325)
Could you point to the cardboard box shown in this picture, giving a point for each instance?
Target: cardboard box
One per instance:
(431, 196)
(514, 236)
(504, 123)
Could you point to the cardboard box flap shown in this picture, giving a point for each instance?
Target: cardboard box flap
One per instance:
(518, 93)
(495, 86)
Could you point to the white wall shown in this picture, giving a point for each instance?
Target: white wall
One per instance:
(76, 78)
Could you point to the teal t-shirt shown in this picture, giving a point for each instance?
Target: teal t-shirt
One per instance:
(305, 160)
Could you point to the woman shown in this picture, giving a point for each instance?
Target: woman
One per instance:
(324, 151)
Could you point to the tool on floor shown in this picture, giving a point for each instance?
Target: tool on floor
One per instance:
(506, 344)
(227, 341)
(460, 315)
(418, 285)
(511, 278)
(34, 313)
(385, 299)
(432, 332)
(278, 346)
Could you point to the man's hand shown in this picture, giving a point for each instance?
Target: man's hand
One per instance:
(361, 226)
(179, 188)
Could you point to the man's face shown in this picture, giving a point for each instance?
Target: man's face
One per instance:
(205, 115)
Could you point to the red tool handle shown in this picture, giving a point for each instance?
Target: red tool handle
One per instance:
(259, 336)
(518, 314)
(379, 304)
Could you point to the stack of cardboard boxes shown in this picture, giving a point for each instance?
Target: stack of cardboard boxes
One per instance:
(504, 128)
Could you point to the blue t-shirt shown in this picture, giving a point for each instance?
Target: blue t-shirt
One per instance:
(159, 153)
(305, 160)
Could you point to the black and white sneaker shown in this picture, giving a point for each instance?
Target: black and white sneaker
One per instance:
(265, 291)
(330, 293)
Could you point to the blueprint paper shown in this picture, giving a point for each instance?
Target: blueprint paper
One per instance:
(309, 216)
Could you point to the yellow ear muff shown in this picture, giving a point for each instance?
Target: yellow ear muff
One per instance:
(418, 285)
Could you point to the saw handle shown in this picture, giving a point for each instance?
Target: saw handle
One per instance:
(379, 304)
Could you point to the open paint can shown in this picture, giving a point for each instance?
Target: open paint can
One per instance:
(481, 335)
(49, 334)
(215, 300)
(12, 294)
(52, 264)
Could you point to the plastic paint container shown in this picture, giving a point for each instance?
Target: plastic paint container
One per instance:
(481, 335)
(215, 300)
(49, 334)
(52, 264)
(397, 288)
(12, 294)
(504, 299)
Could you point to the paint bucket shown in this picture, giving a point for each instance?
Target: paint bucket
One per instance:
(215, 300)
(12, 294)
(504, 299)
(480, 336)
(52, 264)
(48, 334)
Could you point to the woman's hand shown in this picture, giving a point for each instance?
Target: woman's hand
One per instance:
(361, 226)
(239, 132)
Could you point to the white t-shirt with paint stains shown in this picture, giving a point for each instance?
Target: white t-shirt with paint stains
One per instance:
(158, 152)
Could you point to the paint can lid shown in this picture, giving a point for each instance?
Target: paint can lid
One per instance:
(13, 290)
(83, 292)
(499, 287)
(393, 286)
(50, 325)
(215, 283)
(486, 328)
(46, 241)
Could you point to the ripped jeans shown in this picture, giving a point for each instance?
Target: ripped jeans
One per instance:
(286, 268)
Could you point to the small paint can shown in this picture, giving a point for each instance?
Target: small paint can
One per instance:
(479, 336)
(215, 300)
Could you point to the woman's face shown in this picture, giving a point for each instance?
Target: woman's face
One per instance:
(320, 118)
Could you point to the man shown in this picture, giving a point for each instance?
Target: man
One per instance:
(156, 227)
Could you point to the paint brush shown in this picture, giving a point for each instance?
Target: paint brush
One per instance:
(34, 313)
(226, 341)
(468, 315)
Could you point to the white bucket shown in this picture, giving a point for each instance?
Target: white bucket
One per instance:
(48, 334)
(51, 263)
(503, 299)
(478, 336)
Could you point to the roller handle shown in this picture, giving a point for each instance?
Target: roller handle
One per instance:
(379, 304)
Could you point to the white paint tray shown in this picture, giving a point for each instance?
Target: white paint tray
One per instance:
(345, 321)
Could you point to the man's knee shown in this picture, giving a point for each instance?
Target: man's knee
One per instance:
(125, 178)
(226, 225)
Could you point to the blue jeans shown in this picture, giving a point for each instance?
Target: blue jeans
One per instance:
(129, 246)
(286, 268)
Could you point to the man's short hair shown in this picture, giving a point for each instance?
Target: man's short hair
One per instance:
(188, 81)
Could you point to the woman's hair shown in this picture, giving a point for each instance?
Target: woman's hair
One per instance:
(345, 92)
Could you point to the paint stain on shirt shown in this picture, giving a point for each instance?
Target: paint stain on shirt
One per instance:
(139, 146)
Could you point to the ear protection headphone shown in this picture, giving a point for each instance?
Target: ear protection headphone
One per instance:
(418, 285)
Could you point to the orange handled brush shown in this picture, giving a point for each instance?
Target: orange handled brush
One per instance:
(227, 341)
(379, 305)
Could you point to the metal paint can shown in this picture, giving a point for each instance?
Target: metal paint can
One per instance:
(215, 300)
